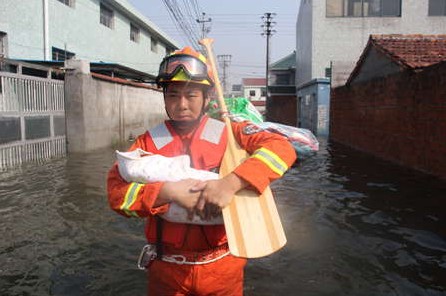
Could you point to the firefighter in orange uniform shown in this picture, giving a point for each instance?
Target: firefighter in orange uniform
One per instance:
(194, 259)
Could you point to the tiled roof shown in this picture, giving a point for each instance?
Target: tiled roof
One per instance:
(412, 51)
(288, 62)
(254, 81)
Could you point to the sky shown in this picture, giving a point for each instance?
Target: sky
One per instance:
(235, 28)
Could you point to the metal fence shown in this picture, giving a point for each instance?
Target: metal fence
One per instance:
(32, 119)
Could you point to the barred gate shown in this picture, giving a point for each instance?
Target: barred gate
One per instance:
(32, 119)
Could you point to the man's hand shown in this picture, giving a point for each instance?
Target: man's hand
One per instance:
(217, 194)
(181, 193)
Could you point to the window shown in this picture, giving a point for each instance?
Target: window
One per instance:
(10, 130)
(252, 93)
(67, 2)
(282, 79)
(328, 72)
(363, 8)
(437, 7)
(60, 54)
(134, 33)
(3, 44)
(153, 45)
(106, 16)
(37, 127)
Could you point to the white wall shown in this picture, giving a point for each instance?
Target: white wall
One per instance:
(77, 29)
(256, 89)
(24, 27)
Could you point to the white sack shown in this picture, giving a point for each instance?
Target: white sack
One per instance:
(145, 167)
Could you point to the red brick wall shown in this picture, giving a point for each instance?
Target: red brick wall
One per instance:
(284, 109)
(401, 118)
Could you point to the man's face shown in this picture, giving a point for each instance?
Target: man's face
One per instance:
(184, 101)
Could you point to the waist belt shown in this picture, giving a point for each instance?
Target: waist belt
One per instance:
(190, 257)
(149, 253)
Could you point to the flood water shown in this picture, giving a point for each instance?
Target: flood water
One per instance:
(355, 225)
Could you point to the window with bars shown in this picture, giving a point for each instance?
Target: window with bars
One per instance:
(437, 8)
(363, 8)
(106, 16)
(134, 33)
(67, 2)
(3, 44)
(60, 54)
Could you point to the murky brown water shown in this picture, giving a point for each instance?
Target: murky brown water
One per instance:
(355, 226)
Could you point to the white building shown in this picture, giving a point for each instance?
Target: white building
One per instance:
(331, 34)
(109, 31)
(254, 89)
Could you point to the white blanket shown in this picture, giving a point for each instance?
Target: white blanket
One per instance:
(145, 167)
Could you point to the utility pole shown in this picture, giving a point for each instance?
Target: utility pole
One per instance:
(224, 60)
(203, 21)
(268, 31)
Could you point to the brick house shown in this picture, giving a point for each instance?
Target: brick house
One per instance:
(394, 103)
(282, 90)
(331, 34)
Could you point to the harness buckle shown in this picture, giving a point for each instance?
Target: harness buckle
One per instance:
(147, 255)
(177, 259)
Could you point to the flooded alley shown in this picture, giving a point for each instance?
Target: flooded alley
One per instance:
(355, 225)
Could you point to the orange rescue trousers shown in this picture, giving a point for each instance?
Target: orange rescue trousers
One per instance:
(223, 277)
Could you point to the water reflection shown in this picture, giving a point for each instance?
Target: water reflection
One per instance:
(355, 226)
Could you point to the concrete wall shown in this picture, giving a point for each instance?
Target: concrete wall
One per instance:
(304, 42)
(314, 105)
(401, 118)
(344, 38)
(257, 93)
(102, 113)
(77, 29)
(375, 64)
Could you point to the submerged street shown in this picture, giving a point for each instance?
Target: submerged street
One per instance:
(355, 225)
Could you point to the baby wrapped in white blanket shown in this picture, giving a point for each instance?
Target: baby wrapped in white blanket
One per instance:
(145, 167)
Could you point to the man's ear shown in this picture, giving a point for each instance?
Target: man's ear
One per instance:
(207, 99)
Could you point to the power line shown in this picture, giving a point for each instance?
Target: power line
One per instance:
(268, 31)
(224, 60)
(183, 24)
(203, 21)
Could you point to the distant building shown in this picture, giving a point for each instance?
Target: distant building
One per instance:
(282, 90)
(108, 31)
(331, 34)
(254, 89)
(237, 91)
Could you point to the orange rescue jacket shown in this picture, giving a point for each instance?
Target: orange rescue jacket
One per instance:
(271, 156)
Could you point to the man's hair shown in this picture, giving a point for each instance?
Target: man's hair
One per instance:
(206, 90)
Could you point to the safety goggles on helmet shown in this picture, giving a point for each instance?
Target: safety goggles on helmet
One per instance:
(195, 69)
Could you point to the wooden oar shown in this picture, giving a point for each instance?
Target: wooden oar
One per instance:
(251, 220)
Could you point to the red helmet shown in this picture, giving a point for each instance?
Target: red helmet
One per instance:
(185, 65)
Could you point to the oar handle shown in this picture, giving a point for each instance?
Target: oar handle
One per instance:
(207, 44)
